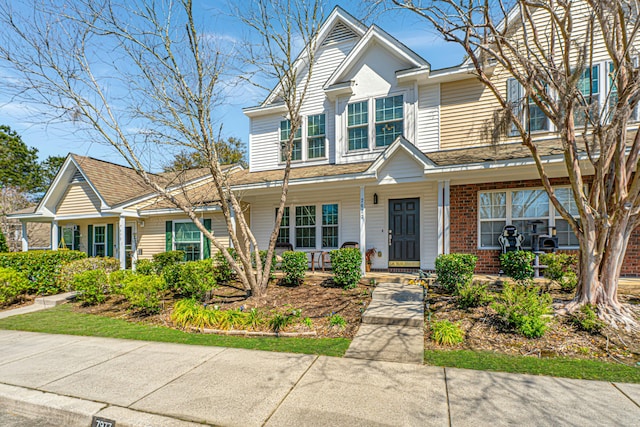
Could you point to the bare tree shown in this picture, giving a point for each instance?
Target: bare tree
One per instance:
(549, 48)
(138, 75)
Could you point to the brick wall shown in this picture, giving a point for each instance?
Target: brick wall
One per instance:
(464, 226)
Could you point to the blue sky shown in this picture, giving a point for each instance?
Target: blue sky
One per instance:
(61, 139)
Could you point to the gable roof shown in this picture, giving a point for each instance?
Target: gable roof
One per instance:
(375, 33)
(337, 17)
(400, 144)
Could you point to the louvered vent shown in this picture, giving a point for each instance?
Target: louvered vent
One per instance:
(340, 33)
(77, 177)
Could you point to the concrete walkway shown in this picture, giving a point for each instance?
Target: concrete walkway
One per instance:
(67, 379)
(392, 327)
(40, 303)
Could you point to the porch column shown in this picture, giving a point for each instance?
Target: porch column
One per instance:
(363, 230)
(25, 238)
(233, 224)
(54, 236)
(122, 253)
(443, 217)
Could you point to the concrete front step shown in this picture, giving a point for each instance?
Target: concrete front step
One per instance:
(388, 343)
(397, 292)
(391, 312)
(53, 300)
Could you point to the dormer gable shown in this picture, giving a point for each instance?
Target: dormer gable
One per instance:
(400, 162)
(339, 27)
(386, 45)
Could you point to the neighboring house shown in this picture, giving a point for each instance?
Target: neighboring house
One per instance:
(104, 209)
(391, 154)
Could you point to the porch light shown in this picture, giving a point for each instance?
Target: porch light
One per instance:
(375, 198)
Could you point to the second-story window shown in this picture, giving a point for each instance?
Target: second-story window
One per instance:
(389, 119)
(358, 125)
(589, 87)
(296, 150)
(316, 136)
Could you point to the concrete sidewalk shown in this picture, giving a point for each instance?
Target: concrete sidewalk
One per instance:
(68, 379)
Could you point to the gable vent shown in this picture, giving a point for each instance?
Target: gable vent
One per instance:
(340, 33)
(77, 177)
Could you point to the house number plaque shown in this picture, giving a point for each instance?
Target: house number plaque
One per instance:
(102, 422)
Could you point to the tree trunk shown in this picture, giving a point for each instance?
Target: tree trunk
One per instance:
(599, 273)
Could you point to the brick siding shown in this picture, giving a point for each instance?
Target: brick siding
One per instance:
(464, 226)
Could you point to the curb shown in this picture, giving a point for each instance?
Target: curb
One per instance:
(72, 411)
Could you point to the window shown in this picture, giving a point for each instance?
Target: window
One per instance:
(99, 240)
(532, 117)
(316, 136)
(527, 206)
(493, 217)
(589, 86)
(613, 93)
(187, 238)
(306, 226)
(358, 125)
(389, 114)
(311, 221)
(537, 120)
(519, 208)
(66, 239)
(296, 149)
(285, 229)
(330, 226)
(565, 234)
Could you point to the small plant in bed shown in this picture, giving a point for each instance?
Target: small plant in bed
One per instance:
(445, 332)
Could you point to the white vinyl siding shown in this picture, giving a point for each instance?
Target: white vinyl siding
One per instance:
(428, 120)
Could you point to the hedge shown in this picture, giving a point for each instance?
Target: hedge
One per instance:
(41, 267)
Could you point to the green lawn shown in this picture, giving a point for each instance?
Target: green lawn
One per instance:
(556, 367)
(63, 320)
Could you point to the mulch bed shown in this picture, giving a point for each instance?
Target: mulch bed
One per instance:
(317, 297)
(485, 331)
(22, 302)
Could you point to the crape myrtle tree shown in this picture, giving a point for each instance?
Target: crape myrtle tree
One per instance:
(145, 77)
(549, 48)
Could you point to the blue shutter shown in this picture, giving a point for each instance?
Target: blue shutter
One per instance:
(90, 241)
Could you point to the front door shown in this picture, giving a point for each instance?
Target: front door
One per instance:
(404, 233)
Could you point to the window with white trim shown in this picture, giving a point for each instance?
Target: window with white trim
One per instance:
(100, 240)
(309, 223)
(187, 238)
(613, 92)
(330, 226)
(589, 87)
(316, 137)
(389, 119)
(358, 125)
(519, 207)
(532, 117)
(284, 233)
(296, 149)
(306, 226)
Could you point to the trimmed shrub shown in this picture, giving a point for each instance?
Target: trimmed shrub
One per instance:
(294, 266)
(346, 267)
(163, 260)
(561, 269)
(472, 295)
(224, 272)
(41, 267)
(116, 280)
(3, 243)
(455, 270)
(518, 265)
(68, 271)
(586, 319)
(13, 283)
(524, 310)
(191, 279)
(143, 292)
(92, 286)
(145, 267)
(444, 332)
